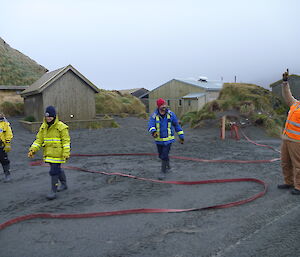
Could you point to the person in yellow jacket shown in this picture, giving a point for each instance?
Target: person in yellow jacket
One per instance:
(54, 137)
(290, 148)
(6, 136)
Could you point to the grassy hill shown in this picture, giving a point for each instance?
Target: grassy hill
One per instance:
(16, 68)
(113, 103)
(243, 103)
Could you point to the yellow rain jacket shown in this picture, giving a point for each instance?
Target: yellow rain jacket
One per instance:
(55, 140)
(6, 134)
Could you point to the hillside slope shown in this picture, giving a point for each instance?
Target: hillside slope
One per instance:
(243, 103)
(17, 68)
(114, 103)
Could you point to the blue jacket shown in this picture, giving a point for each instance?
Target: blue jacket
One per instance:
(165, 127)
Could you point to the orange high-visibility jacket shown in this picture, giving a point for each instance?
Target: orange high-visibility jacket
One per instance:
(292, 125)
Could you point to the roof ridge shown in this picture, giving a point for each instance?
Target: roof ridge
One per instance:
(51, 76)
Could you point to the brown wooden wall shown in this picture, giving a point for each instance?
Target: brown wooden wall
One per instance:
(68, 94)
(172, 91)
(190, 105)
(33, 106)
(71, 95)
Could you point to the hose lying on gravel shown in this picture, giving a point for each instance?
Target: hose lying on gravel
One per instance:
(145, 210)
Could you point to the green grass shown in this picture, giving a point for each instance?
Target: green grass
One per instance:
(257, 104)
(16, 68)
(30, 119)
(12, 109)
(110, 102)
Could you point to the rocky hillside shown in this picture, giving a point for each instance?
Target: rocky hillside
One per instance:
(17, 68)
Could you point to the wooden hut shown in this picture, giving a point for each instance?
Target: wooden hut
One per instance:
(72, 94)
(183, 95)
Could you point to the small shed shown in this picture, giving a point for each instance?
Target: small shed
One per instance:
(185, 95)
(71, 93)
(294, 81)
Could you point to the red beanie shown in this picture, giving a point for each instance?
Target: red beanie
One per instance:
(160, 102)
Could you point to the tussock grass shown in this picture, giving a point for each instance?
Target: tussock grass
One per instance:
(112, 103)
(250, 101)
(12, 108)
(16, 68)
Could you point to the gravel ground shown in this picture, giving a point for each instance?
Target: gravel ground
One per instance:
(265, 227)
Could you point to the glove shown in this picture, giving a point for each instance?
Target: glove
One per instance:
(31, 154)
(181, 141)
(7, 148)
(285, 75)
(66, 156)
(155, 134)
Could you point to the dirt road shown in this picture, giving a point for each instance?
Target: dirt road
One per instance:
(265, 227)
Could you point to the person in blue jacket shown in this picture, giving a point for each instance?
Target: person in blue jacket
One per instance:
(162, 125)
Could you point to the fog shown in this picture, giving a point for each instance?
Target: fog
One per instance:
(129, 44)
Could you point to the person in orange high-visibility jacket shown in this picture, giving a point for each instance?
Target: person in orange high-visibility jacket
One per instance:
(54, 137)
(290, 148)
(6, 136)
(161, 125)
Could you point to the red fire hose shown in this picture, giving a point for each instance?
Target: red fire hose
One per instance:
(146, 210)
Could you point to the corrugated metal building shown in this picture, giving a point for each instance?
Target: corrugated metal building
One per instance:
(184, 95)
(67, 90)
(294, 81)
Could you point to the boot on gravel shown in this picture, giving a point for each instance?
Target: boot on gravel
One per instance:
(63, 180)
(54, 183)
(295, 191)
(284, 186)
(168, 166)
(6, 169)
(162, 174)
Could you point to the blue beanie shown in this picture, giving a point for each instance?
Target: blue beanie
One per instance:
(50, 111)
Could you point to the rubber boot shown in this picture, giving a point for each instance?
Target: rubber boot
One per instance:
(63, 180)
(168, 166)
(6, 169)
(162, 174)
(54, 183)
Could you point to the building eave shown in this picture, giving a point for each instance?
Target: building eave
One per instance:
(55, 77)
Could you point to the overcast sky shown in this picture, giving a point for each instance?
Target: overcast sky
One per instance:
(121, 44)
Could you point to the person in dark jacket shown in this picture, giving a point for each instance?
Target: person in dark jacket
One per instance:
(162, 125)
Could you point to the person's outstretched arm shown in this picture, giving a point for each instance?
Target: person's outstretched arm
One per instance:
(286, 91)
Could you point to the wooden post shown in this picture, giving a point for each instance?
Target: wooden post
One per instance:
(223, 120)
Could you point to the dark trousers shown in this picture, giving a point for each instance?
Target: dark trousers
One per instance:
(3, 157)
(55, 169)
(163, 151)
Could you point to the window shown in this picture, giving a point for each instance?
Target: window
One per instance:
(189, 102)
(180, 102)
(168, 102)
